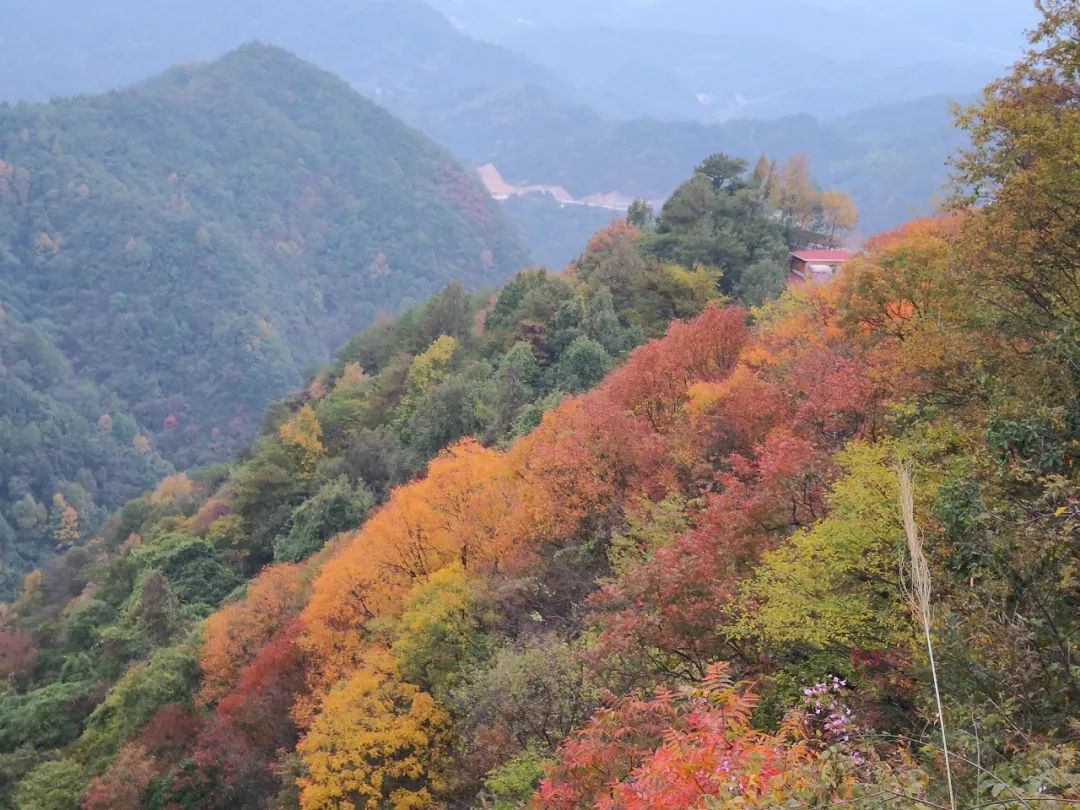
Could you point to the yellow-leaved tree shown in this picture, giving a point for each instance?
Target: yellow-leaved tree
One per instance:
(63, 521)
(440, 631)
(838, 214)
(303, 434)
(456, 514)
(378, 742)
(426, 371)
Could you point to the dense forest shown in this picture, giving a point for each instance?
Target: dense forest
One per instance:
(176, 256)
(488, 367)
(70, 451)
(654, 532)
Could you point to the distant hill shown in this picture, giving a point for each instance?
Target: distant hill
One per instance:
(891, 159)
(717, 77)
(601, 97)
(714, 61)
(186, 248)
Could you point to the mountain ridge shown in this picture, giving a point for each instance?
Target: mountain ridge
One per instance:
(191, 245)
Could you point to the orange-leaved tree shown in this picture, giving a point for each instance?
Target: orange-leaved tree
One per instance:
(235, 634)
(453, 515)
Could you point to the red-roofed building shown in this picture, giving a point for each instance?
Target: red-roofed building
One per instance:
(816, 265)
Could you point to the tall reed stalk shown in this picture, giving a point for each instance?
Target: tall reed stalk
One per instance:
(918, 596)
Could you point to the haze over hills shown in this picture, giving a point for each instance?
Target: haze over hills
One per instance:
(184, 249)
(400, 52)
(709, 47)
(903, 32)
(717, 60)
(716, 77)
(567, 109)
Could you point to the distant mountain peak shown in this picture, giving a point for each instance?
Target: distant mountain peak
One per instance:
(239, 219)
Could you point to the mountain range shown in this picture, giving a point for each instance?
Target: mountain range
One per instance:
(606, 97)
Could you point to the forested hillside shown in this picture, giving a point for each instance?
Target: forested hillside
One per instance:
(71, 453)
(184, 250)
(617, 539)
(123, 611)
